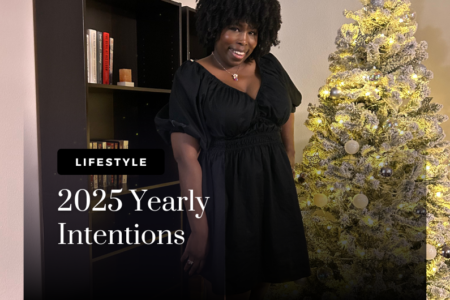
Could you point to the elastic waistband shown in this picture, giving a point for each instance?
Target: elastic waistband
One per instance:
(249, 140)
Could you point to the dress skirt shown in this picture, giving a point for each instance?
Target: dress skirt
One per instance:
(259, 232)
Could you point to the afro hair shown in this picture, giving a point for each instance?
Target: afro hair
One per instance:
(214, 15)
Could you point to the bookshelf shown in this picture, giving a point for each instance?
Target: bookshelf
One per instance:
(152, 38)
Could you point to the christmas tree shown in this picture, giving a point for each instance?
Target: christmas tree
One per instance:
(373, 186)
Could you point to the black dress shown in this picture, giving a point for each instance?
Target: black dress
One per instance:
(255, 225)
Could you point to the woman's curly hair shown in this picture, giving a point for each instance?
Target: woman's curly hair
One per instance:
(214, 15)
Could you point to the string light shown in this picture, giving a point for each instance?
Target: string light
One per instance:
(438, 194)
(401, 20)
(428, 167)
(319, 172)
(375, 127)
(329, 227)
(319, 121)
(371, 178)
(326, 92)
(382, 35)
(341, 121)
(391, 41)
(368, 94)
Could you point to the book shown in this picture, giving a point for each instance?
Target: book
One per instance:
(99, 56)
(95, 177)
(110, 145)
(125, 83)
(105, 58)
(87, 64)
(122, 144)
(100, 177)
(111, 52)
(91, 177)
(92, 55)
(105, 176)
(125, 176)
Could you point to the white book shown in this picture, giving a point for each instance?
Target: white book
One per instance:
(93, 55)
(111, 52)
(88, 62)
(125, 83)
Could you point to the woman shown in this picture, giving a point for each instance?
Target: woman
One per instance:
(230, 121)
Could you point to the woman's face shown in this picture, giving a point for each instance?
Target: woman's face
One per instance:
(236, 43)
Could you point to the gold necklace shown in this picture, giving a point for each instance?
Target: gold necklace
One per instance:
(235, 75)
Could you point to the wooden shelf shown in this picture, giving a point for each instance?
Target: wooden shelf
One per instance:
(125, 88)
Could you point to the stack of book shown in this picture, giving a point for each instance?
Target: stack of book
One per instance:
(100, 50)
(105, 181)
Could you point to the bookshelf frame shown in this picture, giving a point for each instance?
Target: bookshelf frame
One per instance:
(72, 112)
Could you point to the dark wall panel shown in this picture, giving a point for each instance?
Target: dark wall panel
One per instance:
(61, 96)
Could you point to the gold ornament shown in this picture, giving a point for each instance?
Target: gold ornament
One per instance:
(360, 201)
(351, 147)
(320, 200)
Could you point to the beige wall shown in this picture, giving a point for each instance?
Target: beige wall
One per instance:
(434, 24)
(16, 89)
(307, 38)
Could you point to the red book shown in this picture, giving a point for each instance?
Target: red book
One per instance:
(105, 58)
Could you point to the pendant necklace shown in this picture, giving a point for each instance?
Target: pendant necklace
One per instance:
(235, 75)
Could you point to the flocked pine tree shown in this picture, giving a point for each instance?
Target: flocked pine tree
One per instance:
(373, 184)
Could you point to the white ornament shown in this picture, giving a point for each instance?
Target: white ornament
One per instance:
(360, 201)
(320, 200)
(351, 147)
(431, 252)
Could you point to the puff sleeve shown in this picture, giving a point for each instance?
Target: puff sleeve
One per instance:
(183, 113)
(294, 94)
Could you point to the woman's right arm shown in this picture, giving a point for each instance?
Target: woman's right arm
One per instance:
(186, 150)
